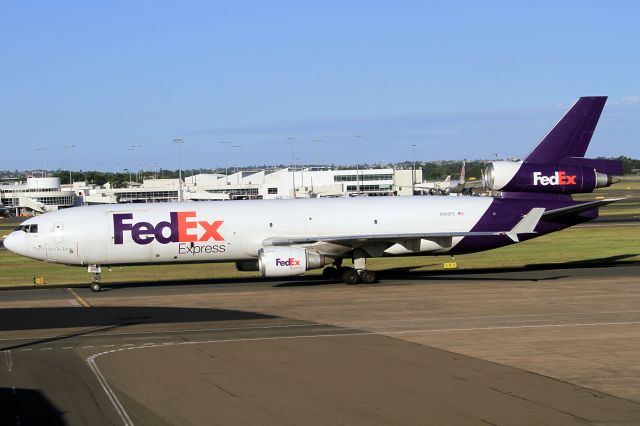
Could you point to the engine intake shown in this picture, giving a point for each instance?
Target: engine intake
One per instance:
(289, 261)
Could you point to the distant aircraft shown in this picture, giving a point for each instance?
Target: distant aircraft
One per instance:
(284, 238)
(449, 186)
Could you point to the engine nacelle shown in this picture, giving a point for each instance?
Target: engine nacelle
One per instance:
(289, 261)
(544, 178)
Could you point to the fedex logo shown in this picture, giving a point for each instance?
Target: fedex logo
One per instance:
(181, 227)
(287, 262)
(559, 178)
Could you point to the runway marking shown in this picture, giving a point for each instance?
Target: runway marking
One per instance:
(68, 347)
(78, 298)
(108, 346)
(110, 394)
(27, 349)
(189, 330)
(495, 316)
(589, 324)
(91, 360)
(8, 360)
(46, 349)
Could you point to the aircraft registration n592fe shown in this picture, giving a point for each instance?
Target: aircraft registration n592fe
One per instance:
(289, 237)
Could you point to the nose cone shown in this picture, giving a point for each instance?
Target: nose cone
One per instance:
(14, 242)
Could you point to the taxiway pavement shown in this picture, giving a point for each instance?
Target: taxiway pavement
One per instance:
(524, 346)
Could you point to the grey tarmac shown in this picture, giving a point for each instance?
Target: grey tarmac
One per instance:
(524, 346)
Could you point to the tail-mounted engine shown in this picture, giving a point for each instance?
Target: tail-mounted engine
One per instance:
(551, 179)
(289, 261)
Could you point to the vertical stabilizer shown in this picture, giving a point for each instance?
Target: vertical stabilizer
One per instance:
(571, 136)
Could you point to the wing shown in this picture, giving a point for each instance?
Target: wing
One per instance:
(526, 226)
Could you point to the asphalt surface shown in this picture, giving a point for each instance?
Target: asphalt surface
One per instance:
(523, 346)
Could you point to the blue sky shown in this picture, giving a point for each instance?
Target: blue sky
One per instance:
(458, 79)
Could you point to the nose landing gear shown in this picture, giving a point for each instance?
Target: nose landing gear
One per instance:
(96, 277)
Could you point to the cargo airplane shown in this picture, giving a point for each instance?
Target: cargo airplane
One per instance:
(283, 238)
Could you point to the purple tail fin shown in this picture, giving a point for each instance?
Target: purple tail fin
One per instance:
(571, 136)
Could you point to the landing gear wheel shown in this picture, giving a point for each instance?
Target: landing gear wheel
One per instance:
(351, 277)
(330, 273)
(369, 277)
(95, 287)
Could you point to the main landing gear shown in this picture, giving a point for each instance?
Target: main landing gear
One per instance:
(356, 275)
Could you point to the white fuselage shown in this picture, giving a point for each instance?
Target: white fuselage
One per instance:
(236, 230)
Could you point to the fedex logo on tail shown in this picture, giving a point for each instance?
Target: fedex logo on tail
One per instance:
(559, 178)
(287, 262)
(181, 227)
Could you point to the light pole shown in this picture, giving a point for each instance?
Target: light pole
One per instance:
(67, 148)
(293, 165)
(179, 142)
(226, 160)
(237, 154)
(318, 141)
(134, 148)
(413, 172)
(127, 170)
(356, 138)
(44, 158)
(193, 173)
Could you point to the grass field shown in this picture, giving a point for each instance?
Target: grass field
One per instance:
(628, 189)
(607, 244)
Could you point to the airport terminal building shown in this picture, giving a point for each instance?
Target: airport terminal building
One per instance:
(36, 195)
(40, 195)
(263, 184)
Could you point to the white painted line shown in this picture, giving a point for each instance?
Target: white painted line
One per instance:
(26, 349)
(108, 346)
(310, 325)
(541, 316)
(8, 358)
(110, 394)
(508, 327)
(67, 347)
(46, 349)
(127, 421)
(86, 347)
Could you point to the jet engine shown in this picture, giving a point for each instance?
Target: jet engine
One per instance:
(289, 261)
(551, 179)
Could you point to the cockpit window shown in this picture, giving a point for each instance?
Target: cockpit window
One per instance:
(29, 229)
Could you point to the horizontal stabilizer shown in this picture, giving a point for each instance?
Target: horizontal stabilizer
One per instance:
(609, 167)
(578, 208)
(527, 225)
